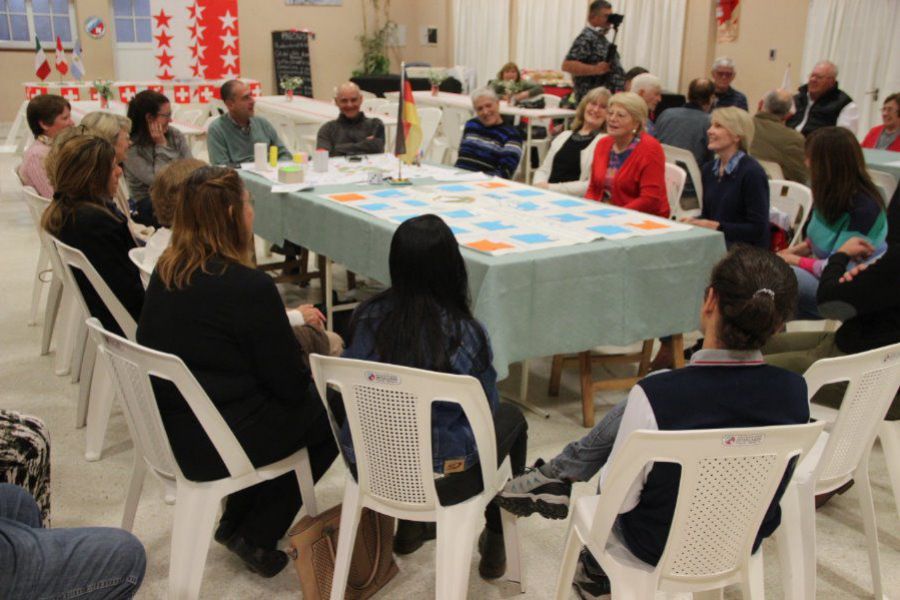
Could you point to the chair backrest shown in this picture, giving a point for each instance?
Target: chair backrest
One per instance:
(728, 480)
(429, 119)
(675, 179)
(392, 96)
(388, 109)
(373, 104)
(131, 366)
(389, 415)
(137, 257)
(885, 181)
(873, 378)
(551, 100)
(191, 116)
(680, 155)
(367, 95)
(73, 258)
(795, 199)
(37, 204)
(453, 121)
(772, 168)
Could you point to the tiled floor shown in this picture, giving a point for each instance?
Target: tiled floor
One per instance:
(93, 493)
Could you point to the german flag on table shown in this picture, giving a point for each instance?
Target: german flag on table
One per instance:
(409, 130)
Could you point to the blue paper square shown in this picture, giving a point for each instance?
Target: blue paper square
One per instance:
(532, 238)
(456, 187)
(528, 193)
(389, 193)
(402, 218)
(567, 203)
(568, 218)
(605, 212)
(494, 225)
(528, 206)
(375, 206)
(609, 229)
(415, 203)
(458, 230)
(459, 214)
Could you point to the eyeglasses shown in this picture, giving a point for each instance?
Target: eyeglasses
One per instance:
(167, 115)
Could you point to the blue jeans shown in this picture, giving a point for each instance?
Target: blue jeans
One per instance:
(48, 564)
(582, 459)
(807, 286)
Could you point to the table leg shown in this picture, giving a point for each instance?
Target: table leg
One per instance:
(587, 388)
(329, 287)
(527, 157)
(522, 398)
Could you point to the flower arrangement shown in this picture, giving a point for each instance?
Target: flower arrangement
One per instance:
(104, 91)
(436, 77)
(289, 83)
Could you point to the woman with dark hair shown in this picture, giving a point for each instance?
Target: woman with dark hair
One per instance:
(423, 320)
(83, 215)
(845, 204)
(727, 384)
(207, 304)
(153, 146)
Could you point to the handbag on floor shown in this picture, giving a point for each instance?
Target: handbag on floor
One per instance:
(314, 546)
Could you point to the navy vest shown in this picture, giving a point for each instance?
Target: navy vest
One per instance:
(709, 397)
(824, 111)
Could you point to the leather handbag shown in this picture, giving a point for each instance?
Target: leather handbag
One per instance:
(314, 546)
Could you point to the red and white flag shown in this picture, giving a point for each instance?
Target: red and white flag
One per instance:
(62, 65)
(195, 38)
(41, 64)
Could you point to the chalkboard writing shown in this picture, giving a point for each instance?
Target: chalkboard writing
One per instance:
(290, 51)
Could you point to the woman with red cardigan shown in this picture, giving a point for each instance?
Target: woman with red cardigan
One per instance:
(885, 137)
(629, 167)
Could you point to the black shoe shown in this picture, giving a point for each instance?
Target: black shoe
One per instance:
(225, 531)
(411, 535)
(493, 555)
(532, 491)
(590, 582)
(263, 562)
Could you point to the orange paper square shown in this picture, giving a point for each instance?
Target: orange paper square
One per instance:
(488, 245)
(649, 225)
(347, 197)
(492, 184)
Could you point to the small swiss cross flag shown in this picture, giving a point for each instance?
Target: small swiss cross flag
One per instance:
(95, 95)
(205, 93)
(33, 90)
(72, 94)
(256, 89)
(155, 88)
(127, 92)
(182, 94)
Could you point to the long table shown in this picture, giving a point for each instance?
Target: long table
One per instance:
(81, 108)
(883, 160)
(533, 304)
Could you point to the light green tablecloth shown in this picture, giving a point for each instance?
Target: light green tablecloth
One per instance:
(533, 304)
(879, 159)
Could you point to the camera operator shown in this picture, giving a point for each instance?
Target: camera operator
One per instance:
(592, 60)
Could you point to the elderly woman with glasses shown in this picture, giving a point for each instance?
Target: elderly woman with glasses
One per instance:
(154, 145)
(567, 167)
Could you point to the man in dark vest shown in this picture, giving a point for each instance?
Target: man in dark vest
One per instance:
(820, 103)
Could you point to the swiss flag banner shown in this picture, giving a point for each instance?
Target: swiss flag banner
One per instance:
(32, 90)
(127, 92)
(256, 89)
(156, 88)
(216, 47)
(95, 95)
(182, 94)
(72, 94)
(205, 93)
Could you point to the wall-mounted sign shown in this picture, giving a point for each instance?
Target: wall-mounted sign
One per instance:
(95, 27)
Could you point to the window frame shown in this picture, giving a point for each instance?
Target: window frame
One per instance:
(133, 18)
(49, 46)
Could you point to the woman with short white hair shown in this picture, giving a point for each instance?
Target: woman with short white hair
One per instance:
(488, 144)
(649, 88)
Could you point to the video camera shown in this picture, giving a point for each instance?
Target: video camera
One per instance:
(615, 20)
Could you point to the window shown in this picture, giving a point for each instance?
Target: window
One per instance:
(23, 20)
(132, 19)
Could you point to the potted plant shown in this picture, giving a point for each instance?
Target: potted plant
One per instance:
(375, 60)
(289, 84)
(436, 77)
(104, 91)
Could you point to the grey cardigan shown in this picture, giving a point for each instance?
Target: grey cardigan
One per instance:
(142, 163)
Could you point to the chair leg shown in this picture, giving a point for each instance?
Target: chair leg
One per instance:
(555, 375)
(796, 539)
(587, 388)
(867, 508)
(457, 528)
(79, 336)
(569, 563)
(68, 326)
(646, 358)
(54, 296)
(89, 358)
(38, 287)
(753, 581)
(195, 518)
(513, 554)
(306, 483)
(889, 434)
(351, 510)
(101, 402)
(135, 486)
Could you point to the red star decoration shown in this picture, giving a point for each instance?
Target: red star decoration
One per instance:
(198, 70)
(192, 11)
(162, 19)
(163, 39)
(165, 60)
(193, 49)
(166, 76)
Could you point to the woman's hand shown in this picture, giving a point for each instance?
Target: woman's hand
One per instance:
(789, 257)
(543, 185)
(157, 133)
(857, 248)
(312, 315)
(849, 275)
(708, 224)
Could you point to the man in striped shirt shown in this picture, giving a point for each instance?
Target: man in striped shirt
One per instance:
(488, 144)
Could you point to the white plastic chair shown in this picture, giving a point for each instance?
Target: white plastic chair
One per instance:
(137, 258)
(373, 104)
(43, 263)
(453, 121)
(197, 502)
(191, 115)
(389, 415)
(367, 95)
(388, 109)
(793, 198)
(392, 96)
(99, 405)
(429, 119)
(724, 493)
(840, 454)
(675, 179)
(889, 434)
(772, 169)
(885, 181)
(680, 155)
(551, 100)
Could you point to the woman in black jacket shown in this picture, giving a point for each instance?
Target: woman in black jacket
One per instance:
(208, 305)
(83, 215)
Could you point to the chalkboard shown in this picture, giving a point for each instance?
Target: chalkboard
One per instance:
(290, 51)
